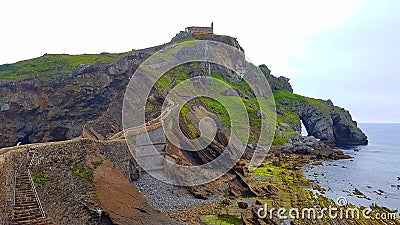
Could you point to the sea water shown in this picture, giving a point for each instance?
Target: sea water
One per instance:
(374, 170)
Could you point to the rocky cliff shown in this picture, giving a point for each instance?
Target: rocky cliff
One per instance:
(56, 102)
(323, 120)
(40, 108)
(276, 83)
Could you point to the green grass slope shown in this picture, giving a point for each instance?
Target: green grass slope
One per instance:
(52, 64)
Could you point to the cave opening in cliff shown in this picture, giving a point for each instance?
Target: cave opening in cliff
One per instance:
(24, 140)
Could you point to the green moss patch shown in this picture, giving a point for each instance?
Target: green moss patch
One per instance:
(83, 172)
(163, 82)
(40, 178)
(223, 220)
(278, 141)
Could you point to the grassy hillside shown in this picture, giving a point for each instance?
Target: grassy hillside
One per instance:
(49, 64)
(52, 64)
(286, 102)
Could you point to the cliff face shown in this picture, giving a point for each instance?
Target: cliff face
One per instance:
(335, 126)
(39, 109)
(323, 120)
(276, 83)
(52, 108)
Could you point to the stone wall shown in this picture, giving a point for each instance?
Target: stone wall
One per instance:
(118, 153)
(67, 198)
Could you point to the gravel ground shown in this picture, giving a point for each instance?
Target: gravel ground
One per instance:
(161, 197)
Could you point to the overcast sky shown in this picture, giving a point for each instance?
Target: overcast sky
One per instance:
(347, 51)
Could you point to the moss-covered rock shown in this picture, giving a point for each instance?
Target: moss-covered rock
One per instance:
(323, 120)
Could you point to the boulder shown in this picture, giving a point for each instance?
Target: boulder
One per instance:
(229, 92)
(311, 139)
(285, 126)
(260, 115)
(243, 205)
(226, 201)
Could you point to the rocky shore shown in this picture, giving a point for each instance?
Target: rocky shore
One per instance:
(284, 174)
(166, 197)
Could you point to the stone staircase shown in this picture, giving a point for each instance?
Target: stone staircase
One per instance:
(27, 207)
(149, 158)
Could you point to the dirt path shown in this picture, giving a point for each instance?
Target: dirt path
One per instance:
(122, 201)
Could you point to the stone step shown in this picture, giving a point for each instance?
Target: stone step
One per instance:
(151, 160)
(22, 211)
(149, 148)
(26, 205)
(23, 191)
(25, 202)
(26, 208)
(24, 186)
(50, 222)
(24, 222)
(28, 217)
(46, 221)
(155, 168)
(25, 199)
(25, 179)
(150, 144)
(150, 154)
(35, 222)
(24, 195)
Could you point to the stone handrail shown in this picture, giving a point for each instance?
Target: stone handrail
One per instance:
(153, 124)
(15, 185)
(33, 187)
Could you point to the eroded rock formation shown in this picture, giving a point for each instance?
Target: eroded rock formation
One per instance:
(323, 120)
(42, 109)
